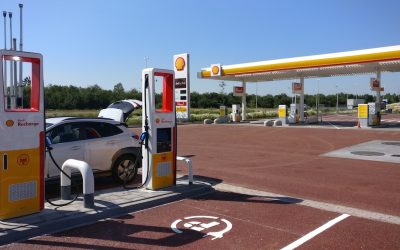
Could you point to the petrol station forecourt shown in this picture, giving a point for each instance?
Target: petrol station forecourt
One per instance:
(287, 184)
(285, 169)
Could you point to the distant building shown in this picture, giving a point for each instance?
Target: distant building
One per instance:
(351, 103)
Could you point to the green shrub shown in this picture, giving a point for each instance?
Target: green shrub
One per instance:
(202, 117)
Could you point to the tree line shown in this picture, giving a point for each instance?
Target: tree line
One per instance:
(94, 97)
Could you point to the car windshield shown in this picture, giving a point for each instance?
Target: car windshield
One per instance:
(49, 124)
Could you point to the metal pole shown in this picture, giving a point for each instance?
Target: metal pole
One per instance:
(20, 89)
(20, 26)
(5, 29)
(256, 95)
(301, 109)
(244, 103)
(15, 74)
(337, 101)
(317, 100)
(12, 89)
(378, 93)
(5, 62)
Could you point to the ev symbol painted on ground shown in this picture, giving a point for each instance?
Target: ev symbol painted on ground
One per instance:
(212, 226)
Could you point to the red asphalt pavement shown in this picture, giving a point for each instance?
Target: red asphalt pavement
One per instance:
(288, 161)
(281, 160)
(257, 223)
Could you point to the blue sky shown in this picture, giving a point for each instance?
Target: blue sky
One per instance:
(87, 42)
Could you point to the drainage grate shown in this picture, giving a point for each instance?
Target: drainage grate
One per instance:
(391, 143)
(396, 155)
(367, 153)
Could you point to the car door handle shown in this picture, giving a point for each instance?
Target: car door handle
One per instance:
(76, 147)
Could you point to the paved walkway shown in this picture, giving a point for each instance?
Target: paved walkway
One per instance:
(108, 203)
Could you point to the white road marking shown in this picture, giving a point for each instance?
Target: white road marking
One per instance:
(356, 212)
(202, 226)
(333, 125)
(314, 233)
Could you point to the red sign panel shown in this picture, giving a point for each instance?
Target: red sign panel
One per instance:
(180, 103)
(297, 87)
(238, 90)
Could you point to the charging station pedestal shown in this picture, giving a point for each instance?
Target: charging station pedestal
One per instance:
(159, 150)
(22, 133)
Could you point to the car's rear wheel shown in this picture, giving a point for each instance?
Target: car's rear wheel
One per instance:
(125, 168)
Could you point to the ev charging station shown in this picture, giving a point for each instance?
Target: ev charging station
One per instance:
(159, 149)
(22, 132)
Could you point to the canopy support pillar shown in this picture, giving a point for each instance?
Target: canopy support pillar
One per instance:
(244, 103)
(378, 92)
(301, 104)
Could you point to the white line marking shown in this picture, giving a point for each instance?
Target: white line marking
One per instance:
(356, 212)
(314, 233)
(333, 125)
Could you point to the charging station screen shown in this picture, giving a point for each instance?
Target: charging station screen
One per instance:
(163, 140)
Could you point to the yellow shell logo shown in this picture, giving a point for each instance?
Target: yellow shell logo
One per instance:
(9, 123)
(179, 63)
(215, 70)
(23, 160)
(158, 120)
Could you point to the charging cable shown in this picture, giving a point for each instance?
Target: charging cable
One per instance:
(49, 149)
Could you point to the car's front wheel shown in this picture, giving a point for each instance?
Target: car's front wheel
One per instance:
(125, 168)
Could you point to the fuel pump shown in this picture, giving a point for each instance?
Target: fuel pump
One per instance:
(22, 133)
(293, 114)
(159, 125)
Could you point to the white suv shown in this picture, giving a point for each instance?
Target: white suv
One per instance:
(106, 145)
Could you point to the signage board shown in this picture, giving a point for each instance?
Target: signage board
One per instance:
(216, 70)
(182, 86)
(238, 91)
(297, 88)
(375, 84)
